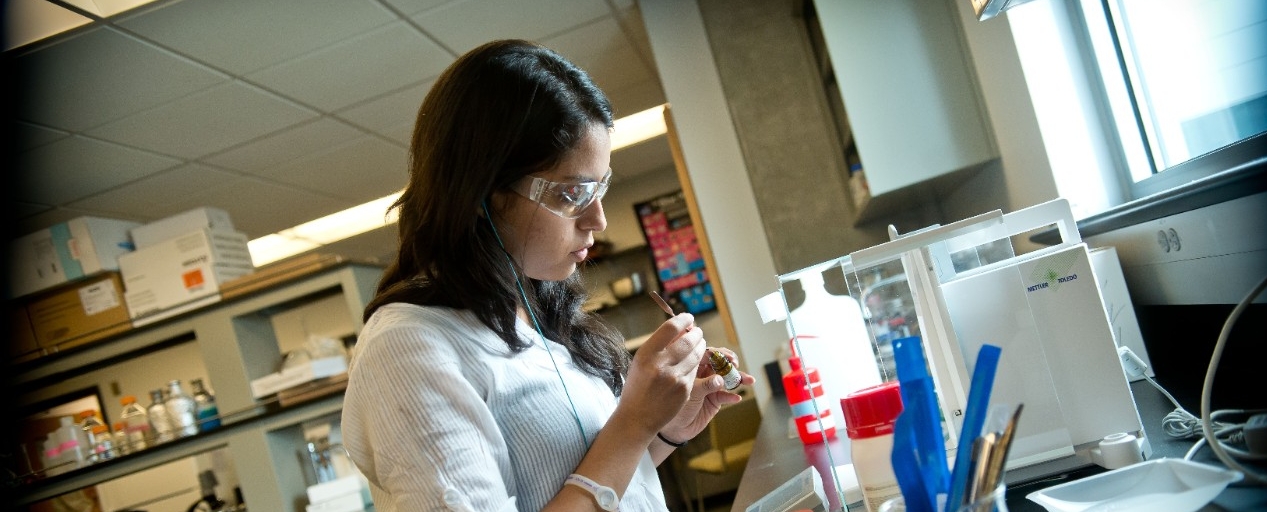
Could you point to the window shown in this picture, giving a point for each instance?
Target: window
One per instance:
(1186, 84)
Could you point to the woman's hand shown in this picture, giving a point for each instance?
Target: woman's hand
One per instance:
(708, 395)
(662, 374)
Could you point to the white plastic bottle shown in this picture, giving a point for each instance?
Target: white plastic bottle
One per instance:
(870, 415)
(181, 410)
(832, 337)
(71, 452)
(160, 423)
(52, 456)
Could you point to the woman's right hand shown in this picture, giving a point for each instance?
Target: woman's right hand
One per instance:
(662, 374)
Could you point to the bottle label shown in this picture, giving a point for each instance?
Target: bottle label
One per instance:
(812, 426)
(809, 407)
(208, 418)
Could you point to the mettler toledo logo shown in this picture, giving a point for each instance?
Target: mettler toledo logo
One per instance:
(1055, 272)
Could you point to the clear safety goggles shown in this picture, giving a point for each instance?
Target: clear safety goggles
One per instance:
(567, 200)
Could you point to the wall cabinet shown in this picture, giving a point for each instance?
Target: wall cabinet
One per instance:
(236, 342)
(904, 81)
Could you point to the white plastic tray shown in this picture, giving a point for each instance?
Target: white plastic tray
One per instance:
(1174, 485)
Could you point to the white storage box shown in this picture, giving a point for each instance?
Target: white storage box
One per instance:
(327, 491)
(176, 225)
(67, 252)
(290, 377)
(344, 503)
(182, 273)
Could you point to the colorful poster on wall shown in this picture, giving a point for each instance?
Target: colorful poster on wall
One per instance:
(679, 263)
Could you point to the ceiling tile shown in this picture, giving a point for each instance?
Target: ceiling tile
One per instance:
(377, 245)
(206, 122)
(362, 170)
(78, 166)
(280, 147)
(603, 51)
(411, 7)
(23, 209)
(29, 136)
(241, 36)
(362, 67)
(259, 208)
(100, 76)
(384, 115)
(50, 217)
(646, 156)
(462, 26)
(632, 98)
(403, 134)
(161, 194)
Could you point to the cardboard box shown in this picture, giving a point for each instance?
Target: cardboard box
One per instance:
(67, 252)
(182, 273)
(167, 228)
(298, 374)
(21, 336)
(73, 315)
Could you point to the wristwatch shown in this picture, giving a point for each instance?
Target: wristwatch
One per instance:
(605, 496)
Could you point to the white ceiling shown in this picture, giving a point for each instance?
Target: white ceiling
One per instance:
(277, 111)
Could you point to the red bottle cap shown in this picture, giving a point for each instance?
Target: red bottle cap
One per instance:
(872, 411)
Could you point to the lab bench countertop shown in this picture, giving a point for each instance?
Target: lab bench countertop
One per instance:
(778, 455)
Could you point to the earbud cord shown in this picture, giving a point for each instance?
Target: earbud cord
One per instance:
(533, 316)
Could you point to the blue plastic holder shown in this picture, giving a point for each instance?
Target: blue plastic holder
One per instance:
(919, 450)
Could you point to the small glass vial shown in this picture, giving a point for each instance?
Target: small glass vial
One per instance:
(722, 366)
(870, 414)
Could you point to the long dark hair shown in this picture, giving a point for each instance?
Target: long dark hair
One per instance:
(500, 112)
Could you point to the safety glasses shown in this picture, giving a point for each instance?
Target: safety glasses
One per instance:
(567, 200)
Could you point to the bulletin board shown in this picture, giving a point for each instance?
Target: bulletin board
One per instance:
(679, 263)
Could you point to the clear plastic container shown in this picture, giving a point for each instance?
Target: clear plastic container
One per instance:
(869, 418)
(136, 424)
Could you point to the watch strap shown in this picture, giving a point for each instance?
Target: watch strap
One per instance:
(603, 495)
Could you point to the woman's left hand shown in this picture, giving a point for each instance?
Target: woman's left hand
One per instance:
(708, 395)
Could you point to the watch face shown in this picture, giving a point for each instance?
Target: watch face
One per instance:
(607, 499)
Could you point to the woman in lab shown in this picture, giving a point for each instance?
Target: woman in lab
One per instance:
(478, 383)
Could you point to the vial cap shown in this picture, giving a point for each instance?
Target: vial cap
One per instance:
(99, 429)
(127, 399)
(872, 411)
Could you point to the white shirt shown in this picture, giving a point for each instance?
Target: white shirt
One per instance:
(440, 415)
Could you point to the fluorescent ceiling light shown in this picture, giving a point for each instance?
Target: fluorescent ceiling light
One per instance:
(367, 217)
(635, 128)
(329, 229)
(28, 21)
